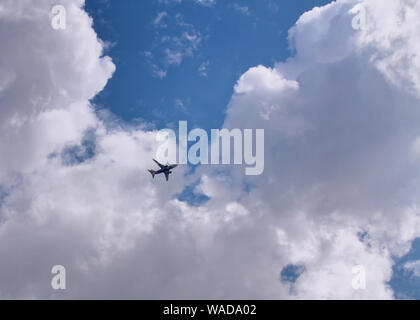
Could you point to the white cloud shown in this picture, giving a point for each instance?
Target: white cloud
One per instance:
(241, 9)
(203, 68)
(182, 104)
(171, 50)
(159, 20)
(178, 48)
(206, 3)
(340, 126)
(414, 267)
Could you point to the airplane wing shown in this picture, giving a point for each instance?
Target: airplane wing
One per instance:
(167, 175)
(160, 165)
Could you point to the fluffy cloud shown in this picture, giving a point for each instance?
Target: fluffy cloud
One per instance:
(339, 188)
(46, 82)
(341, 127)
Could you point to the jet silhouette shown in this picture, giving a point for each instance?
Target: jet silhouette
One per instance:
(165, 169)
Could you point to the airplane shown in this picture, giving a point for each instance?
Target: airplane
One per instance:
(166, 169)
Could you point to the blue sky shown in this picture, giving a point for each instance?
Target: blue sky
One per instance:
(180, 61)
(229, 39)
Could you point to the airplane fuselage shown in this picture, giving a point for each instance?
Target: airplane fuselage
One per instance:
(166, 169)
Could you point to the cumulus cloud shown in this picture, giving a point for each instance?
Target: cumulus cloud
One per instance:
(340, 130)
(340, 119)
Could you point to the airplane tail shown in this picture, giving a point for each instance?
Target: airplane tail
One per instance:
(152, 172)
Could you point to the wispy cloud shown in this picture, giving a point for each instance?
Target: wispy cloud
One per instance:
(171, 50)
(206, 3)
(159, 20)
(241, 9)
(202, 69)
(180, 47)
(155, 70)
(182, 104)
